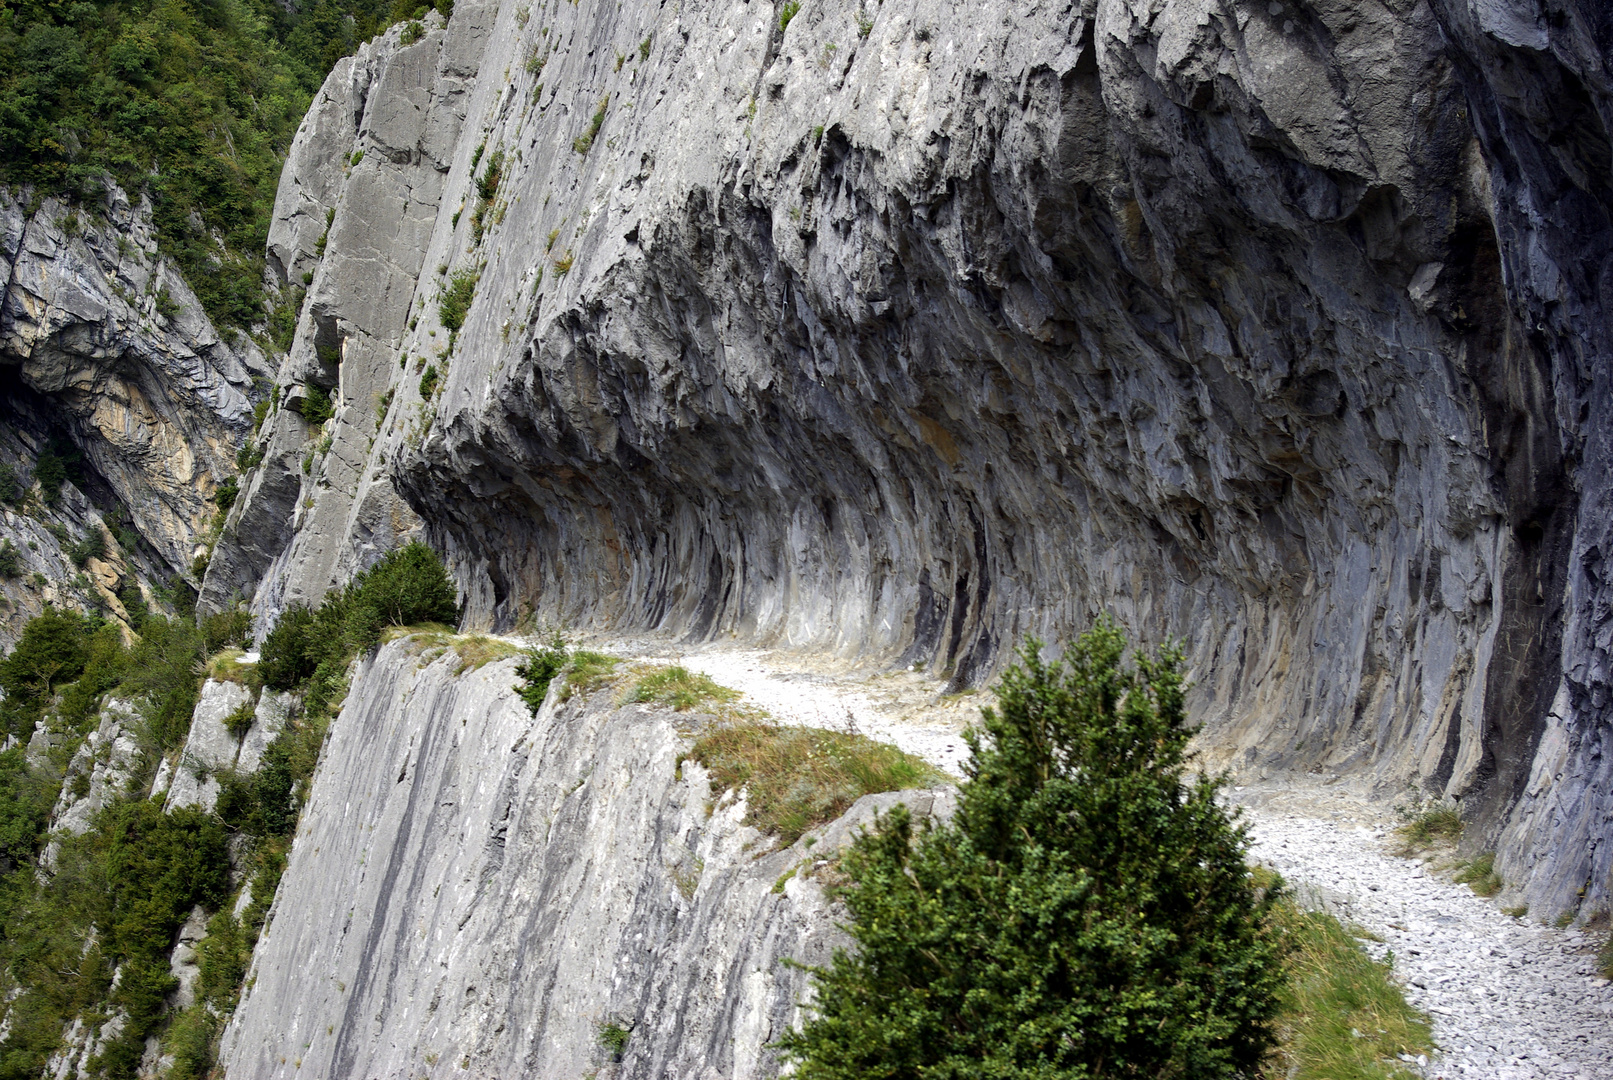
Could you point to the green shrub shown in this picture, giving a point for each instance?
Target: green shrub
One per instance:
(428, 382)
(798, 778)
(406, 587)
(167, 307)
(12, 488)
(105, 667)
(10, 560)
(613, 1038)
(286, 659)
(538, 670)
(50, 473)
(311, 649)
(26, 798)
(316, 405)
(163, 676)
(454, 302)
(52, 651)
(230, 627)
(1087, 912)
(413, 32)
(93, 546)
(239, 722)
(786, 13)
(225, 494)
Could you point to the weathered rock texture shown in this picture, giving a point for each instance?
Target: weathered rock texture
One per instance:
(477, 891)
(103, 339)
(908, 330)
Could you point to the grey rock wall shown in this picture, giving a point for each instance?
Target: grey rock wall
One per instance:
(475, 891)
(909, 330)
(158, 402)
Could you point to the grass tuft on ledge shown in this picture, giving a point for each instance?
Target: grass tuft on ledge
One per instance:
(1342, 1017)
(1428, 825)
(798, 778)
(680, 689)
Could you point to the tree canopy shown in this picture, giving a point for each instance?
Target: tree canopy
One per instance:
(1088, 912)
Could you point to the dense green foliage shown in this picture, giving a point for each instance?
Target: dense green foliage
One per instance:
(312, 648)
(316, 405)
(120, 891)
(119, 895)
(193, 101)
(1087, 913)
(538, 669)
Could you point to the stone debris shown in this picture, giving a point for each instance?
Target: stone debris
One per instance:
(1510, 999)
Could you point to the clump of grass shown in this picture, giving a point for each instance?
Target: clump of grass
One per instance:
(1479, 874)
(798, 778)
(1342, 1017)
(477, 651)
(227, 667)
(454, 302)
(585, 142)
(613, 1037)
(786, 13)
(1426, 825)
(586, 672)
(562, 263)
(680, 688)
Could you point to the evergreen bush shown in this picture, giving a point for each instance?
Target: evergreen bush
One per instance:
(1088, 912)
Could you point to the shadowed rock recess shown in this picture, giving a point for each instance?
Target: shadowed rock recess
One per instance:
(103, 347)
(905, 331)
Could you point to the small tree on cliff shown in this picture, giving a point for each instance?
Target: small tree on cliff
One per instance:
(1088, 913)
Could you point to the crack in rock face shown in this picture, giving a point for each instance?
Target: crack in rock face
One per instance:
(1278, 327)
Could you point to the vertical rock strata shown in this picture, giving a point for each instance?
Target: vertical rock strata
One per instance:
(908, 330)
(477, 891)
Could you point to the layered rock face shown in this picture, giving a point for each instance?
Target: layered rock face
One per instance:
(103, 344)
(908, 330)
(477, 890)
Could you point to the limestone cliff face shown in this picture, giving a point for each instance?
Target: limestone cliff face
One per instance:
(103, 344)
(478, 891)
(908, 330)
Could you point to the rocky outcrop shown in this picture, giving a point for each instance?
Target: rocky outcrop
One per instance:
(359, 197)
(477, 889)
(906, 331)
(105, 339)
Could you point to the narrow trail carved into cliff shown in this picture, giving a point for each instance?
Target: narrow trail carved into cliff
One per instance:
(1510, 999)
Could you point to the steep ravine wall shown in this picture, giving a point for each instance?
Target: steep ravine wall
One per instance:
(104, 345)
(477, 891)
(906, 331)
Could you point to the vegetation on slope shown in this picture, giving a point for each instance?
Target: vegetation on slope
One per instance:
(120, 892)
(193, 102)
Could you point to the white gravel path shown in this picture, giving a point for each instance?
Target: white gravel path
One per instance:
(1510, 999)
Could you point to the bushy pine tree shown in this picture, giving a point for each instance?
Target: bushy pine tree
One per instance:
(1088, 912)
